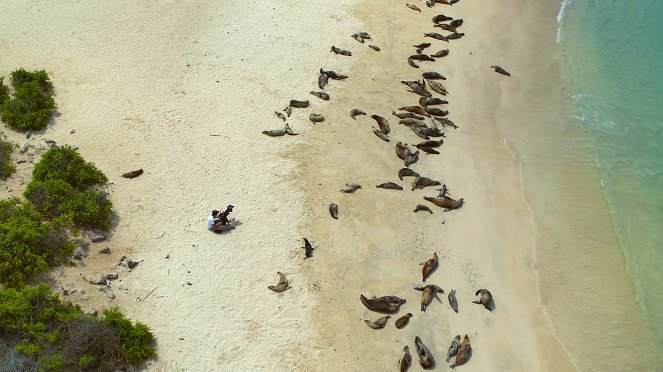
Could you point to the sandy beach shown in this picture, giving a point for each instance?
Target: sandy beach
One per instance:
(184, 90)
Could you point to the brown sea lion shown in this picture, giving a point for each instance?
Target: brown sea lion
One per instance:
(455, 35)
(441, 53)
(418, 132)
(389, 186)
(422, 45)
(374, 47)
(430, 151)
(453, 349)
(400, 150)
(456, 23)
(425, 357)
(446, 122)
(340, 51)
(415, 110)
(421, 182)
(322, 81)
(446, 27)
(447, 203)
(452, 301)
(429, 266)
(420, 207)
(308, 249)
(421, 90)
(333, 210)
(380, 305)
(411, 158)
(464, 353)
(441, 18)
(356, 112)
(279, 115)
(435, 35)
(383, 123)
(432, 132)
(351, 187)
(411, 63)
(434, 111)
(133, 174)
(432, 75)
(392, 299)
(274, 133)
(431, 143)
(288, 110)
(432, 101)
(421, 57)
(415, 122)
(437, 87)
(429, 292)
(321, 95)
(402, 321)
(406, 360)
(379, 323)
(500, 70)
(298, 104)
(361, 36)
(407, 172)
(281, 286)
(333, 75)
(413, 7)
(380, 134)
(486, 299)
(406, 115)
(316, 118)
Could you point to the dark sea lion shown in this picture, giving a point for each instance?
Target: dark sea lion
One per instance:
(402, 321)
(288, 110)
(486, 299)
(407, 172)
(434, 111)
(429, 266)
(435, 35)
(374, 47)
(453, 349)
(421, 90)
(413, 7)
(431, 132)
(358, 38)
(380, 306)
(274, 133)
(430, 151)
(380, 134)
(418, 132)
(500, 70)
(361, 36)
(445, 27)
(321, 95)
(351, 187)
(340, 51)
(437, 87)
(333, 75)
(420, 208)
(430, 3)
(379, 323)
(392, 299)
(432, 75)
(316, 118)
(431, 143)
(441, 53)
(322, 81)
(443, 191)
(429, 292)
(281, 286)
(432, 101)
(383, 123)
(422, 182)
(298, 104)
(453, 302)
(422, 45)
(279, 115)
(446, 122)
(406, 360)
(415, 110)
(411, 63)
(133, 174)
(425, 357)
(411, 158)
(455, 35)
(400, 150)
(415, 122)
(356, 112)
(333, 210)
(308, 249)
(447, 203)
(422, 57)
(389, 186)
(441, 18)
(414, 84)
(456, 23)
(406, 115)
(464, 353)
(289, 131)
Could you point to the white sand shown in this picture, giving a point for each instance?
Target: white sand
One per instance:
(144, 86)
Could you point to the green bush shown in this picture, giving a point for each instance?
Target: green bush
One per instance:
(90, 209)
(4, 91)
(49, 196)
(135, 340)
(20, 77)
(6, 167)
(29, 109)
(66, 164)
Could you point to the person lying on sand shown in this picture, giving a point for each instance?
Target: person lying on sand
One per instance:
(219, 221)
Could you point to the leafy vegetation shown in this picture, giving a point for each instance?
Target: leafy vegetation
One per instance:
(6, 167)
(32, 105)
(64, 163)
(4, 91)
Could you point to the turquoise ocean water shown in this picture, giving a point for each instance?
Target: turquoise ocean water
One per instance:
(613, 58)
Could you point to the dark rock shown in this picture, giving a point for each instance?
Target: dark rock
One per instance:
(105, 250)
(81, 252)
(100, 281)
(97, 235)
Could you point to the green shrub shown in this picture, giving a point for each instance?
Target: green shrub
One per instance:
(66, 164)
(90, 209)
(49, 196)
(135, 340)
(20, 77)
(4, 91)
(29, 109)
(6, 167)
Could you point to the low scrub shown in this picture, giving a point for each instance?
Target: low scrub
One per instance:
(32, 104)
(6, 167)
(4, 91)
(64, 163)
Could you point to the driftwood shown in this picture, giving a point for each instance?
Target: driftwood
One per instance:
(133, 174)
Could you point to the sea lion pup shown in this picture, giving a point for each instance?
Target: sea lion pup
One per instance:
(430, 291)
(453, 302)
(322, 81)
(453, 349)
(441, 53)
(422, 57)
(420, 207)
(441, 18)
(435, 35)
(500, 70)
(413, 7)
(407, 172)
(340, 51)
(379, 323)
(455, 35)
(486, 299)
(414, 110)
(321, 95)
(380, 134)
(389, 186)
(288, 110)
(402, 321)
(316, 118)
(437, 87)
(421, 182)
(425, 357)
(406, 360)
(411, 158)
(356, 112)
(456, 23)
(298, 104)
(447, 203)
(333, 75)
(432, 101)
(446, 122)
(443, 192)
(383, 123)
(431, 143)
(282, 284)
(333, 210)
(351, 187)
(432, 75)
(429, 266)
(133, 174)
(434, 111)
(308, 249)
(279, 115)
(464, 353)
(380, 305)
(406, 115)
(374, 47)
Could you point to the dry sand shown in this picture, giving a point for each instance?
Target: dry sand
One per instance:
(145, 85)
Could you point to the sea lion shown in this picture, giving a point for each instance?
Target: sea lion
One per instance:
(333, 75)
(422, 57)
(455, 35)
(411, 158)
(435, 35)
(415, 122)
(402, 321)
(351, 187)
(298, 104)
(425, 357)
(413, 84)
(432, 132)
(411, 63)
(322, 81)
(422, 45)
(486, 299)
(421, 182)
(421, 90)
(289, 131)
(418, 132)
(434, 111)
(441, 53)
(281, 286)
(432, 75)
(316, 118)
(279, 115)
(430, 151)
(429, 266)
(441, 18)
(383, 123)
(429, 292)
(361, 36)
(389, 186)
(379, 323)
(340, 51)
(446, 27)
(321, 95)
(333, 210)
(133, 174)
(464, 353)
(380, 305)
(274, 133)
(288, 110)
(453, 349)
(413, 7)
(308, 249)
(391, 299)
(443, 191)
(420, 207)
(432, 101)
(406, 115)
(374, 47)
(414, 110)
(356, 112)
(358, 38)
(437, 87)
(407, 172)
(446, 122)
(380, 134)
(430, 3)
(447, 203)
(500, 70)
(452, 301)
(400, 150)
(456, 23)
(406, 360)
(431, 143)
